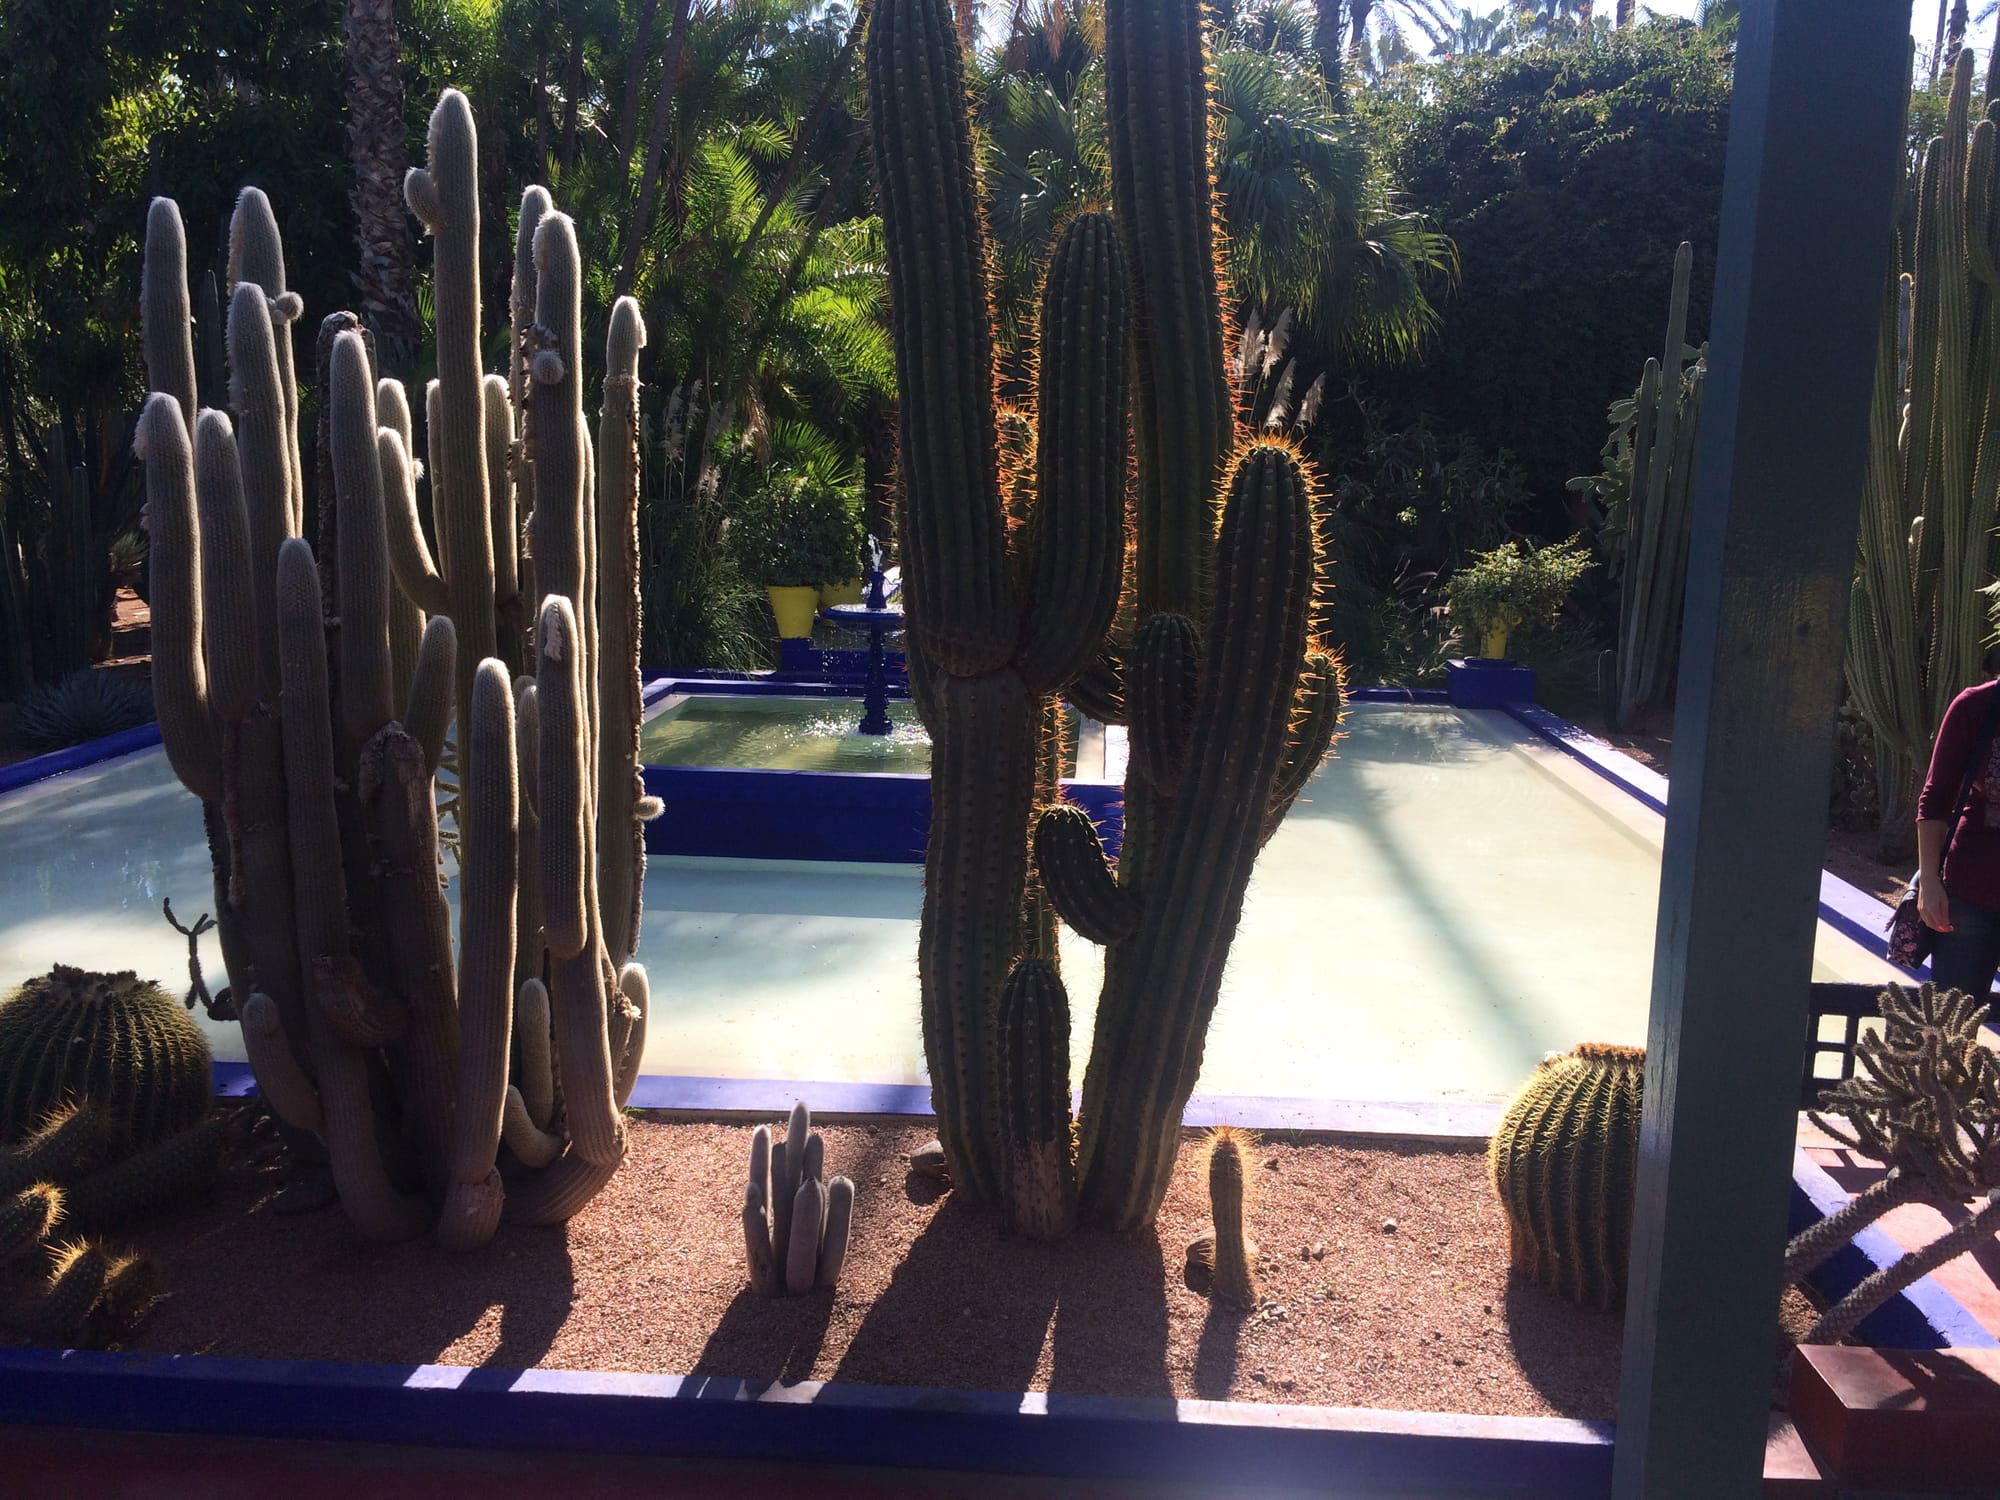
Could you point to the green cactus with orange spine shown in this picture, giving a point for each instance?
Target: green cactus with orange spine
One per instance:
(993, 636)
(1040, 1190)
(27, 1218)
(1563, 1160)
(342, 764)
(1222, 1260)
(1231, 693)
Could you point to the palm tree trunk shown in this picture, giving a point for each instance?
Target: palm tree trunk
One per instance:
(1954, 34)
(656, 145)
(572, 90)
(968, 22)
(1937, 47)
(878, 469)
(1628, 12)
(1326, 38)
(635, 75)
(808, 128)
(376, 148)
(1358, 12)
(542, 91)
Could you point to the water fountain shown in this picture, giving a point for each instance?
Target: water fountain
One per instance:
(872, 735)
(776, 767)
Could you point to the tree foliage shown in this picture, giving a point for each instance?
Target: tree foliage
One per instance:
(1566, 173)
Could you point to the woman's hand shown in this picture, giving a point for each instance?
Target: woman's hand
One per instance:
(1932, 906)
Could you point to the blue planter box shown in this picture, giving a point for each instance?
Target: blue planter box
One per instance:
(1480, 682)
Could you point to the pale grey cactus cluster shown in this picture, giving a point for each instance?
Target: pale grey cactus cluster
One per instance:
(308, 701)
(795, 1222)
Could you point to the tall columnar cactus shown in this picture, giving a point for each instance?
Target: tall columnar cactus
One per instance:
(1932, 492)
(1563, 1160)
(1656, 432)
(994, 636)
(1231, 696)
(453, 1084)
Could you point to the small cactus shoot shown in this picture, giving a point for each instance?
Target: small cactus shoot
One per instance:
(1222, 1260)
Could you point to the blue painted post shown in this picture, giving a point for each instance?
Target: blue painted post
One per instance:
(1815, 149)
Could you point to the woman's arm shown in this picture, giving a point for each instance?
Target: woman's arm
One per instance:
(1951, 757)
(1932, 907)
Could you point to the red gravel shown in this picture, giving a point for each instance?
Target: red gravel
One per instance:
(650, 1278)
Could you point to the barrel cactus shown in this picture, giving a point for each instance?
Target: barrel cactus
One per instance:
(795, 1222)
(1563, 1161)
(115, 1041)
(1226, 679)
(308, 700)
(104, 1094)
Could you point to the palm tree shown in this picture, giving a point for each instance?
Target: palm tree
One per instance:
(1312, 222)
(1628, 13)
(649, 176)
(375, 145)
(1478, 36)
(1387, 43)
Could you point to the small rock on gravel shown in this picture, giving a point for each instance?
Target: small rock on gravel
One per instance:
(928, 1160)
(1388, 1226)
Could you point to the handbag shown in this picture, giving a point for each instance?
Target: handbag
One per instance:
(1910, 941)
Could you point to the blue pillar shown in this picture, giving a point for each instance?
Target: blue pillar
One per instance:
(1815, 149)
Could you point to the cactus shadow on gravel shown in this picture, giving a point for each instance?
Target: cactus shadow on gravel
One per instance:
(966, 1309)
(1111, 1325)
(758, 1335)
(247, 1282)
(1215, 1355)
(1561, 1349)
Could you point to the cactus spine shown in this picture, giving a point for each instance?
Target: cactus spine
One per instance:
(795, 1222)
(1932, 491)
(336, 929)
(27, 1218)
(1563, 1160)
(1231, 705)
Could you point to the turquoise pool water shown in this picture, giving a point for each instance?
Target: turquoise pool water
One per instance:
(1451, 899)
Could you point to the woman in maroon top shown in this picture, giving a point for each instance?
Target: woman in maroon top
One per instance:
(1958, 868)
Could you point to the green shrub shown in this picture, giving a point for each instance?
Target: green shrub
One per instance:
(799, 529)
(85, 705)
(1511, 586)
(1566, 173)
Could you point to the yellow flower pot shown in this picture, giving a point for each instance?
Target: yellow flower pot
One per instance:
(1494, 647)
(796, 609)
(851, 592)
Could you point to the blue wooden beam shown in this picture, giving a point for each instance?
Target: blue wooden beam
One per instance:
(1815, 149)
